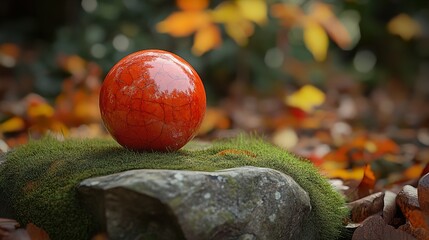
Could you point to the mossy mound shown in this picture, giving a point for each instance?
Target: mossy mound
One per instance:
(38, 180)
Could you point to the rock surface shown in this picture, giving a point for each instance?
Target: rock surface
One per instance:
(408, 202)
(423, 193)
(238, 203)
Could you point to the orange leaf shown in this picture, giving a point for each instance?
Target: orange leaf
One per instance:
(229, 152)
(368, 182)
(36, 233)
(75, 65)
(413, 172)
(323, 14)
(215, 118)
(386, 145)
(290, 14)
(206, 39)
(181, 24)
(192, 5)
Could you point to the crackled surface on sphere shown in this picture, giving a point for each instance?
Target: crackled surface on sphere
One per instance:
(152, 100)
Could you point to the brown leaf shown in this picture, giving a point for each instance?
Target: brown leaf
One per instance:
(36, 233)
(368, 182)
(408, 203)
(375, 228)
(365, 207)
(236, 152)
(100, 236)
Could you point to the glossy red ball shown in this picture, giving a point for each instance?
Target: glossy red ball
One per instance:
(152, 100)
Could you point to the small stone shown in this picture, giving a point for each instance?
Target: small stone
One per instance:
(243, 203)
(375, 228)
(418, 233)
(407, 201)
(389, 208)
(423, 193)
(365, 207)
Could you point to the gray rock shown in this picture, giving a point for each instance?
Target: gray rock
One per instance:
(240, 203)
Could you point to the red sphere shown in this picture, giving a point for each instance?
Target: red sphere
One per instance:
(152, 100)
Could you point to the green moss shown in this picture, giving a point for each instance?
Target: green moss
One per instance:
(39, 179)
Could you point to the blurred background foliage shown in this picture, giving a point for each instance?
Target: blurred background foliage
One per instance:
(366, 61)
(260, 44)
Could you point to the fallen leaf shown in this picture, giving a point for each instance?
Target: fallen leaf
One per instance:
(36, 233)
(100, 236)
(413, 172)
(229, 152)
(367, 183)
(306, 98)
(10, 49)
(75, 65)
(39, 110)
(425, 170)
(285, 138)
(215, 118)
(14, 124)
(374, 228)
(404, 26)
(339, 172)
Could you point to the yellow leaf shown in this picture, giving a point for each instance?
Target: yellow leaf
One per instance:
(404, 26)
(253, 10)
(345, 174)
(226, 12)
(239, 31)
(306, 98)
(323, 14)
(206, 39)
(192, 5)
(75, 65)
(236, 26)
(40, 110)
(13, 124)
(181, 24)
(316, 40)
